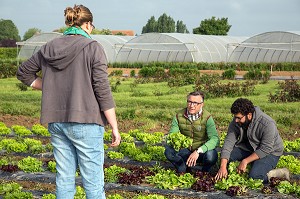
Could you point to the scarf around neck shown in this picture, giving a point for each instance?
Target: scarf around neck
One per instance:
(76, 31)
(195, 116)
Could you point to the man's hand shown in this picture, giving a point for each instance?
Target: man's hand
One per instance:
(242, 167)
(192, 160)
(222, 173)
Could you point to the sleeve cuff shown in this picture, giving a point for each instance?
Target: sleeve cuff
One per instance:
(32, 83)
(199, 150)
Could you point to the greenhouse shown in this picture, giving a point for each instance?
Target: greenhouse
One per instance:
(177, 47)
(267, 47)
(270, 47)
(110, 43)
(33, 44)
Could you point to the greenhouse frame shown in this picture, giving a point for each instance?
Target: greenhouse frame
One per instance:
(110, 43)
(269, 47)
(177, 47)
(277, 46)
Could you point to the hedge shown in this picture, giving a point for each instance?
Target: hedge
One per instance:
(8, 67)
(8, 53)
(289, 66)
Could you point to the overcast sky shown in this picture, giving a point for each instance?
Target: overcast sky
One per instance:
(247, 17)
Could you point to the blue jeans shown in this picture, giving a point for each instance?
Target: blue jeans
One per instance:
(260, 167)
(78, 144)
(178, 159)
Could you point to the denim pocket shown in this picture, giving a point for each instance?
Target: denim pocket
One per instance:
(76, 131)
(53, 128)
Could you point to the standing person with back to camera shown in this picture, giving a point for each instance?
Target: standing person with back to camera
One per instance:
(76, 102)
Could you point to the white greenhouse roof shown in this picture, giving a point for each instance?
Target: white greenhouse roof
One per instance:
(110, 43)
(269, 47)
(177, 47)
(277, 46)
(33, 44)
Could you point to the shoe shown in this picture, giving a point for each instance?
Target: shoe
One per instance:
(279, 173)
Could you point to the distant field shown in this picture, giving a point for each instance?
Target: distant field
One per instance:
(151, 106)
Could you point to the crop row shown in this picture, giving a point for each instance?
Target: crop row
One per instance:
(136, 147)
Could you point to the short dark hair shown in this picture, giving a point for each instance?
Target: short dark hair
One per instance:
(243, 106)
(196, 93)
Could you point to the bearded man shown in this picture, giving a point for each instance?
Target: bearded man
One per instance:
(252, 138)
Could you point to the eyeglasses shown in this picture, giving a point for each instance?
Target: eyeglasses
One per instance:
(191, 103)
(238, 118)
(92, 25)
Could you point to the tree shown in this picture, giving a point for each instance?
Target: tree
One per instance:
(8, 30)
(30, 32)
(94, 32)
(181, 27)
(213, 26)
(61, 30)
(165, 24)
(151, 25)
(101, 32)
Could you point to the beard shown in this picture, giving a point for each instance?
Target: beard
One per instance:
(246, 124)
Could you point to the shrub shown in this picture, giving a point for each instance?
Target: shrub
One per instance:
(8, 67)
(290, 92)
(117, 73)
(229, 74)
(155, 72)
(253, 75)
(182, 77)
(132, 73)
(231, 89)
(114, 88)
(266, 77)
(8, 53)
(207, 79)
(21, 86)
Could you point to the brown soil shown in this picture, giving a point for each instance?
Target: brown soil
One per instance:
(26, 121)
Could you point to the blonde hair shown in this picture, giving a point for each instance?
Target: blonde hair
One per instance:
(77, 15)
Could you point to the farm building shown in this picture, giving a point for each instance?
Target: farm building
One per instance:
(270, 47)
(267, 47)
(33, 44)
(177, 47)
(110, 43)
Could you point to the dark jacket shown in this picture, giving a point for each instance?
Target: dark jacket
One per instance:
(75, 80)
(262, 134)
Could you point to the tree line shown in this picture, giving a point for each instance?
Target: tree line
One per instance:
(9, 33)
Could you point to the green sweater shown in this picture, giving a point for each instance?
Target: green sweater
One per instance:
(203, 130)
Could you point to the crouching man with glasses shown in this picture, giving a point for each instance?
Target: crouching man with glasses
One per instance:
(253, 139)
(197, 123)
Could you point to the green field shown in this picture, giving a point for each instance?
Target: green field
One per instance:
(151, 106)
